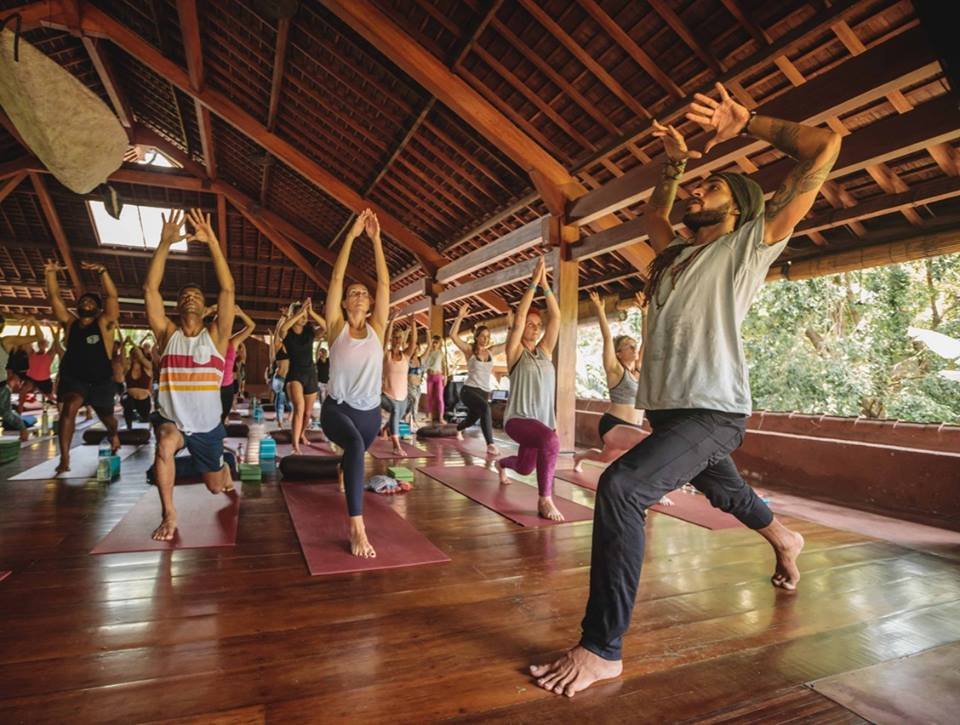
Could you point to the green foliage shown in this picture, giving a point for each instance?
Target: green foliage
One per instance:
(838, 345)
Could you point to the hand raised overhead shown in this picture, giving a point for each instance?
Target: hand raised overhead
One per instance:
(202, 230)
(673, 142)
(725, 117)
(172, 230)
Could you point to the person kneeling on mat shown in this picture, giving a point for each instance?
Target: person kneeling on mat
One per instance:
(191, 368)
(350, 415)
(531, 415)
(86, 370)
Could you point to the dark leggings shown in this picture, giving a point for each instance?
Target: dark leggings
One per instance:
(353, 430)
(131, 406)
(478, 409)
(226, 401)
(686, 445)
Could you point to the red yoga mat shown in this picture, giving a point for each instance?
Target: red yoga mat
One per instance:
(4, 575)
(468, 446)
(319, 516)
(204, 520)
(517, 501)
(589, 478)
(384, 449)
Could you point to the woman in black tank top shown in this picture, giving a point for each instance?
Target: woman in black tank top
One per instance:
(298, 336)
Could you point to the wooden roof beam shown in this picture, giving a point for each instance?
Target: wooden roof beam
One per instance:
(285, 247)
(671, 18)
(193, 50)
(894, 64)
(510, 275)
(53, 220)
(7, 187)
(527, 236)
(109, 80)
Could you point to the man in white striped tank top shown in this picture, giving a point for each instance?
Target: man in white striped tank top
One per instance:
(191, 368)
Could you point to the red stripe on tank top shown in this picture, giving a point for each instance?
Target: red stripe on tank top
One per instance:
(185, 361)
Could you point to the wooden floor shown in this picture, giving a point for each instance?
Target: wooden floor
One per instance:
(244, 634)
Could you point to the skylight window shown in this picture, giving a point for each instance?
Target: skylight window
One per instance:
(147, 156)
(138, 226)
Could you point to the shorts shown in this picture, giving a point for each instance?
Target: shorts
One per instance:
(101, 394)
(306, 378)
(277, 384)
(44, 386)
(609, 422)
(206, 449)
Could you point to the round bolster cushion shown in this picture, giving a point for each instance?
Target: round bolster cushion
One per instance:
(283, 435)
(135, 437)
(440, 430)
(309, 468)
(237, 430)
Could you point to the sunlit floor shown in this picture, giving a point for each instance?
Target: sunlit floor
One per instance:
(244, 632)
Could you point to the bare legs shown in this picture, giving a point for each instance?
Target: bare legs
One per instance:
(295, 391)
(169, 441)
(68, 423)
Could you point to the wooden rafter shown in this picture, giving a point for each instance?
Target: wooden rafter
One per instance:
(12, 183)
(473, 36)
(287, 248)
(276, 87)
(56, 229)
(222, 232)
(671, 18)
(109, 80)
(193, 50)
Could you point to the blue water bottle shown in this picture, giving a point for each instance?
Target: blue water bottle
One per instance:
(103, 461)
(257, 411)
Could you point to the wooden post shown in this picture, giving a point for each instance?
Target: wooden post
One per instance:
(566, 287)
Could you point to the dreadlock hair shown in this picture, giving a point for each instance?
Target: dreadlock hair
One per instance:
(660, 264)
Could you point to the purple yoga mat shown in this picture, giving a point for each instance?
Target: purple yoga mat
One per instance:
(319, 515)
(517, 501)
(204, 520)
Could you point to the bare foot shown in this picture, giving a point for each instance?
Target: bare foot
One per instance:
(666, 501)
(504, 478)
(548, 510)
(398, 450)
(296, 449)
(787, 575)
(492, 450)
(577, 464)
(340, 478)
(359, 545)
(166, 529)
(64, 464)
(459, 435)
(575, 671)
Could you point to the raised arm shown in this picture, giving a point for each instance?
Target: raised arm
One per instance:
(249, 326)
(157, 319)
(815, 149)
(145, 363)
(411, 337)
(388, 335)
(455, 333)
(10, 342)
(515, 336)
(291, 320)
(111, 299)
(381, 305)
(656, 215)
(320, 322)
(552, 332)
(611, 365)
(50, 271)
(333, 312)
(203, 232)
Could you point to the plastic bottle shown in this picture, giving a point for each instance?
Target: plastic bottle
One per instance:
(103, 461)
(257, 411)
(45, 421)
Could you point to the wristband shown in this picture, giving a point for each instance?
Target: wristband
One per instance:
(743, 131)
(547, 291)
(673, 169)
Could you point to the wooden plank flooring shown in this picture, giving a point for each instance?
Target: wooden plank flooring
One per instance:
(244, 634)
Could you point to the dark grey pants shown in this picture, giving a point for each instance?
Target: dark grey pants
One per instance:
(686, 445)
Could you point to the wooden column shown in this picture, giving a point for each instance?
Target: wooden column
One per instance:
(565, 286)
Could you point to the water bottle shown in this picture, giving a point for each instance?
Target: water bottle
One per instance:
(257, 411)
(45, 422)
(103, 461)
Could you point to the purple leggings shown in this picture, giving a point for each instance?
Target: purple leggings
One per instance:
(435, 396)
(538, 448)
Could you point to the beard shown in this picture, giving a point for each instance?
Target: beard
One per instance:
(696, 220)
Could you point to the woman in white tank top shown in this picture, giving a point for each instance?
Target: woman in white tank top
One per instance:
(350, 415)
(475, 393)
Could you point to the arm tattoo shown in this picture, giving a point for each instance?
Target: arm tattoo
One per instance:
(785, 136)
(803, 179)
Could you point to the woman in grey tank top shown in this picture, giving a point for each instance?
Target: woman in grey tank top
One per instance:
(620, 424)
(530, 418)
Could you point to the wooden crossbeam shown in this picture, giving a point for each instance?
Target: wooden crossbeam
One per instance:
(108, 78)
(286, 247)
(529, 235)
(59, 236)
(899, 62)
(408, 292)
(510, 275)
(671, 18)
(11, 183)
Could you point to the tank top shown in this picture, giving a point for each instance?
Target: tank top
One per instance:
(191, 370)
(86, 357)
(479, 373)
(434, 361)
(143, 381)
(533, 383)
(300, 349)
(625, 392)
(228, 361)
(356, 369)
(40, 363)
(395, 377)
(323, 371)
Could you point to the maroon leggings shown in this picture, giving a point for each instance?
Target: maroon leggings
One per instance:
(538, 448)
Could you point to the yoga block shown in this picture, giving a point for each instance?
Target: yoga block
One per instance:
(309, 468)
(250, 472)
(114, 467)
(135, 437)
(9, 450)
(401, 473)
(445, 430)
(268, 448)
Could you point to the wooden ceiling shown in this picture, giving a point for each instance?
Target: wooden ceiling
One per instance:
(441, 113)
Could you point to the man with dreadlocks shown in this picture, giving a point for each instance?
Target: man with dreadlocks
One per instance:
(693, 380)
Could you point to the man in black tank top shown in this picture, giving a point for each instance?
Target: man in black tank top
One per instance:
(86, 373)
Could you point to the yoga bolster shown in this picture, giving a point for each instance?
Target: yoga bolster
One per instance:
(135, 437)
(309, 468)
(187, 471)
(268, 408)
(283, 436)
(442, 430)
(237, 430)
